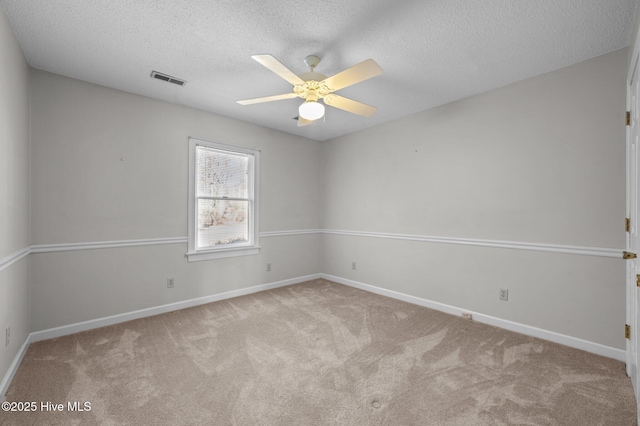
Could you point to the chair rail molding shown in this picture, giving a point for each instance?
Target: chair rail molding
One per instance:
(515, 245)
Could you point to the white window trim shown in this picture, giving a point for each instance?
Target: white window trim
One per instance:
(253, 247)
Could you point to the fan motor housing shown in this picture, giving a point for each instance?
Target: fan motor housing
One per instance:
(309, 76)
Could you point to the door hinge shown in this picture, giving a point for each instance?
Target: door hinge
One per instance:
(627, 255)
(628, 119)
(638, 280)
(627, 224)
(627, 331)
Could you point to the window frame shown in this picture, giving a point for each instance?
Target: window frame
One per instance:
(245, 249)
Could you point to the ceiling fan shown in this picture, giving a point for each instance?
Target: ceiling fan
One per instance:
(312, 87)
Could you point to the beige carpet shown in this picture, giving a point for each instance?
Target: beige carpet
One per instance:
(317, 353)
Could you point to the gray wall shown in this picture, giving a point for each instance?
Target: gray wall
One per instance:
(109, 165)
(634, 34)
(14, 194)
(539, 161)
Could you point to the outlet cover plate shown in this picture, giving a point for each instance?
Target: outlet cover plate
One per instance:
(504, 294)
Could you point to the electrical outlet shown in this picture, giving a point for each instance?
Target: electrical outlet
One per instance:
(268, 267)
(7, 336)
(467, 315)
(504, 294)
(353, 266)
(170, 282)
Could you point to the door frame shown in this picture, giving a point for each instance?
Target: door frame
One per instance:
(631, 238)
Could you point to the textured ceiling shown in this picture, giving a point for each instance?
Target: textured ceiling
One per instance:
(432, 51)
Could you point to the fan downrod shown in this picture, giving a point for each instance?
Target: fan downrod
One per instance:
(312, 61)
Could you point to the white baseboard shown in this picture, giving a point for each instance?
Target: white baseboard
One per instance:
(116, 319)
(574, 342)
(51, 333)
(156, 310)
(13, 368)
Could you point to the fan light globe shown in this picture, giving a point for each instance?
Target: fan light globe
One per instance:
(311, 110)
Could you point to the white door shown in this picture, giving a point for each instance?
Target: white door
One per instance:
(633, 100)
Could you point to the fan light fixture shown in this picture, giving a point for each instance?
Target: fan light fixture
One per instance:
(312, 87)
(311, 110)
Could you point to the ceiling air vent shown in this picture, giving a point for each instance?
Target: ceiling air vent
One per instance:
(167, 78)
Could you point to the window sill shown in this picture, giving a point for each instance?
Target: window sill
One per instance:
(222, 253)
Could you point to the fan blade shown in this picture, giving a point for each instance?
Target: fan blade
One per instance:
(357, 73)
(350, 105)
(304, 122)
(274, 65)
(268, 99)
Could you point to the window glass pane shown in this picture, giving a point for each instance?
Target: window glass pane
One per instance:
(222, 222)
(220, 174)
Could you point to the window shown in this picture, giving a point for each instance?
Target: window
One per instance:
(223, 200)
